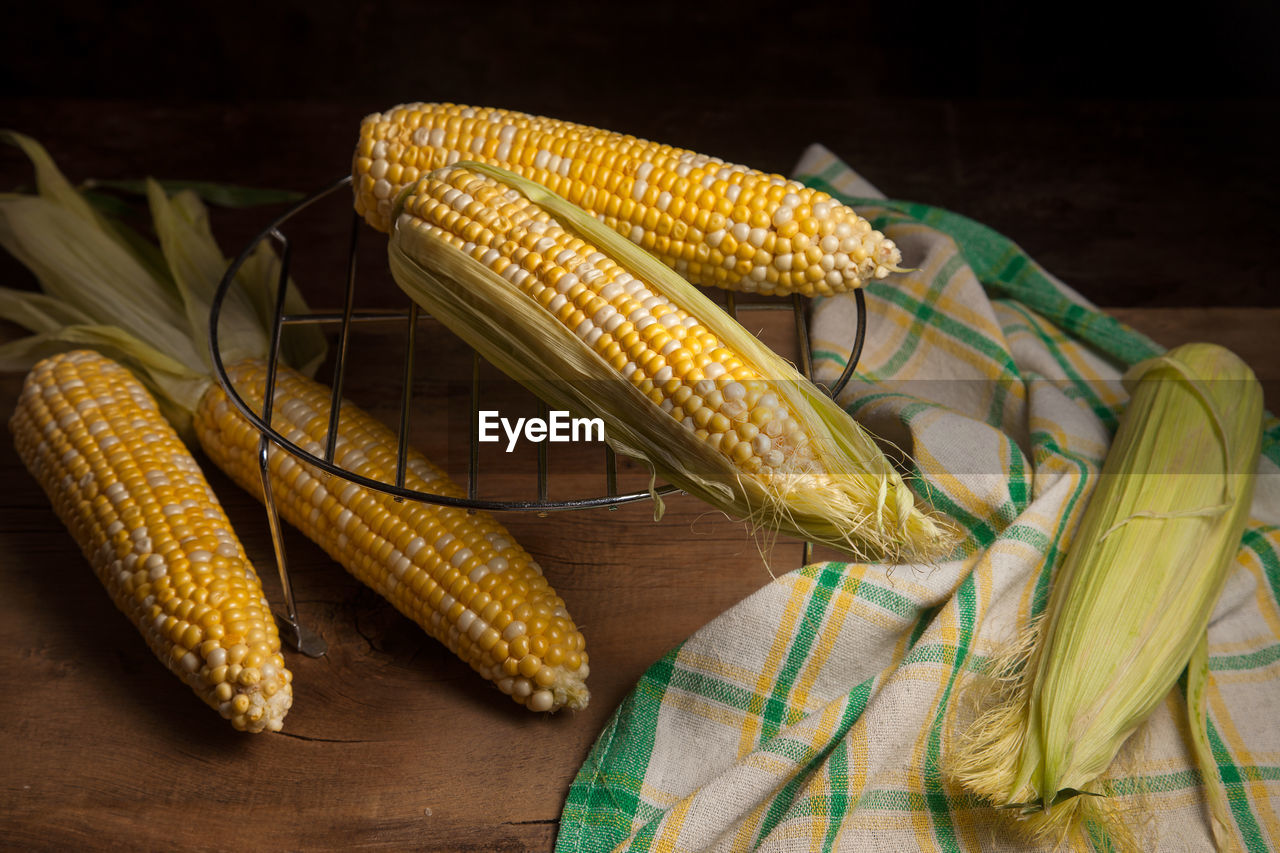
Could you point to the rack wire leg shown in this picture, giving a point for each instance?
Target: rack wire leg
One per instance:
(292, 631)
(806, 369)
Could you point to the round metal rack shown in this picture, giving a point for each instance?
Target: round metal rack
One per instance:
(410, 317)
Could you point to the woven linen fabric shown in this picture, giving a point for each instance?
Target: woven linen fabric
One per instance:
(818, 713)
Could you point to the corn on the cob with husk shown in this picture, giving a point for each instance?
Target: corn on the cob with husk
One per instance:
(595, 325)
(460, 577)
(143, 515)
(716, 223)
(1131, 603)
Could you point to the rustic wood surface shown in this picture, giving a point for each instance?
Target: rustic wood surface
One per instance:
(392, 743)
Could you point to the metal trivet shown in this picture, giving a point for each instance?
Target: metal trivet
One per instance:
(293, 631)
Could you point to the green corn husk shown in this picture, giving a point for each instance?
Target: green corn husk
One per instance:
(1131, 603)
(857, 503)
(145, 306)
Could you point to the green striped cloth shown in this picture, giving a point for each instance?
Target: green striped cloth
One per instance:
(818, 713)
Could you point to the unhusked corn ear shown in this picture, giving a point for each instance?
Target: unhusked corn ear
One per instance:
(460, 576)
(716, 223)
(1132, 600)
(595, 325)
(144, 516)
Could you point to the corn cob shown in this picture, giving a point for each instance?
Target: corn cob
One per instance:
(716, 223)
(459, 576)
(135, 501)
(677, 381)
(1131, 603)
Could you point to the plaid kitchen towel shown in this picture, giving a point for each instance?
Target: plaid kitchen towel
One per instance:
(817, 714)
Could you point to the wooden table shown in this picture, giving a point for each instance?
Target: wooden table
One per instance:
(392, 743)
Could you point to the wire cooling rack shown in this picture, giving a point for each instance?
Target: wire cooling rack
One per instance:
(410, 319)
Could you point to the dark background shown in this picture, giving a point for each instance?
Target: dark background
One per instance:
(1131, 152)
